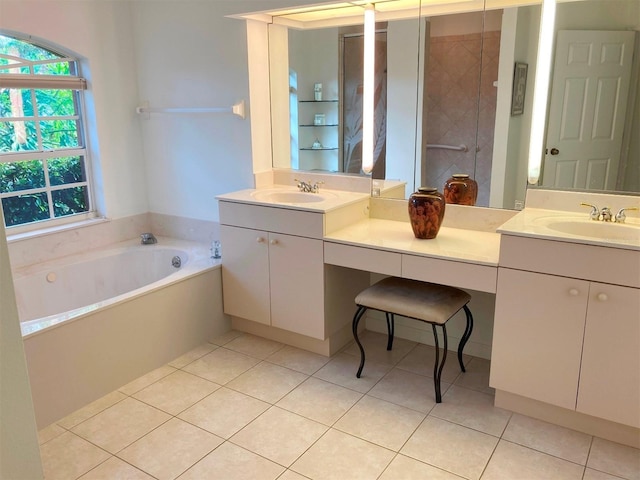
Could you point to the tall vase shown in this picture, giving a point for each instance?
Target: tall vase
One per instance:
(461, 189)
(426, 211)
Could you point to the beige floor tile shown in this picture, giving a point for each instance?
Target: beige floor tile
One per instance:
(68, 456)
(224, 412)
(279, 435)
(451, 447)
(380, 422)
(192, 355)
(548, 438)
(254, 346)
(225, 338)
(291, 475)
(49, 433)
(477, 376)
(616, 459)
(146, 380)
(298, 360)
(170, 449)
(375, 348)
(321, 401)
(230, 462)
(514, 462)
(90, 410)
(338, 456)
(408, 468)
(113, 469)
(267, 382)
(221, 365)
(421, 360)
(120, 425)
(342, 370)
(408, 390)
(176, 392)
(472, 409)
(590, 474)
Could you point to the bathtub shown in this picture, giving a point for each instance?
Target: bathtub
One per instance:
(95, 321)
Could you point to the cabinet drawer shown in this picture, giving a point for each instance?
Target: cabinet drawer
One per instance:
(272, 219)
(367, 259)
(446, 272)
(588, 262)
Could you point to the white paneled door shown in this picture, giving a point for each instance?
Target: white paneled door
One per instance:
(590, 86)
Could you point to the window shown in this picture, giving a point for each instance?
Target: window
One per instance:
(44, 169)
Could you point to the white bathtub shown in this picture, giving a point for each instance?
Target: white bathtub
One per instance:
(93, 322)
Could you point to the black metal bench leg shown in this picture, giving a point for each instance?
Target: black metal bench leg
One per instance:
(356, 320)
(465, 336)
(438, 366)
(390, 329)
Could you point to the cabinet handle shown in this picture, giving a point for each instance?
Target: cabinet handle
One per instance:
(274, 241)
(603, 297)
(260, 239)
(574, 292)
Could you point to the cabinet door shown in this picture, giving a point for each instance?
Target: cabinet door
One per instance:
(297, 284)
(610, 373)
(537, 337)
(245, 273)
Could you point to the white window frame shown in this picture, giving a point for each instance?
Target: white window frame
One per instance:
(33, 82)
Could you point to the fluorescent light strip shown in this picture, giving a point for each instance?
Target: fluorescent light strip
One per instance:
(368, 87)
(541, 90)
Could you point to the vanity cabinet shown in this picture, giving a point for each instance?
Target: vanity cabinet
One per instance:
(274, 279)
(566, 341)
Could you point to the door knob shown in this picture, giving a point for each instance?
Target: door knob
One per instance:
(603, 297)
(274, 242)
(260, 239)
(555, 151)
(573, 292)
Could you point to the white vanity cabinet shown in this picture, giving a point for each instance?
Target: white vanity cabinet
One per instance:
(563, 338)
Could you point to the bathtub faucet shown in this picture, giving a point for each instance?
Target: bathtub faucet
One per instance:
(148, 239)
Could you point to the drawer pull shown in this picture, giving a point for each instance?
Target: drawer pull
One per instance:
(274, 242)
(574, 292)
(260, 239)
(603, 297)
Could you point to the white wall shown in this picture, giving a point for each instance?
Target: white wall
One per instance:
(101, 33)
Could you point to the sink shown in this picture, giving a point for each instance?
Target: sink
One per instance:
(285, 196)
(599, 230)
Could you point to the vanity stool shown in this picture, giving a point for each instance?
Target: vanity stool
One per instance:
(426, 302)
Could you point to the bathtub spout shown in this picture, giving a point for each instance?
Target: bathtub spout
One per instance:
(148, 239)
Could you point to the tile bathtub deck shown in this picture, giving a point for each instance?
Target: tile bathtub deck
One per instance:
(243, 407)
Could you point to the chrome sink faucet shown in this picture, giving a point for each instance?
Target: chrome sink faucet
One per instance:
(308, 187)
(148, 239)
(606, 215)
(594, 214)
(620, 216)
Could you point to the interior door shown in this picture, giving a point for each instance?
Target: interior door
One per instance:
(592, 71)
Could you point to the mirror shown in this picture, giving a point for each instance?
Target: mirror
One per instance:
(444, 75)
(593, 115)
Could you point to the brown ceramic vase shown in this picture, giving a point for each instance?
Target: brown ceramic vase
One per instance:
(461, 189)
(426, 211)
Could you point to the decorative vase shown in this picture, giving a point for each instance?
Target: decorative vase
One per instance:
(426, 211)
(461, 189)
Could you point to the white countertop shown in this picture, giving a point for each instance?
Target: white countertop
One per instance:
(455, 244)
(331, 199)
(539, 223)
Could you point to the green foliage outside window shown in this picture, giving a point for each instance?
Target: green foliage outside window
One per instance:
(37, 121)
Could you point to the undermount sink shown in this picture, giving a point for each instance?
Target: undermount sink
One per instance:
(599, 230)
(285, 196)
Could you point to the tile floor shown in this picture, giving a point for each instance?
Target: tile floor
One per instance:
(242, 407)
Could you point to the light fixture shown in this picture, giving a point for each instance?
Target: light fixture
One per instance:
(368, 87)
(541, 90)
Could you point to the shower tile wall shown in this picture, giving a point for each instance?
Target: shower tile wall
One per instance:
(454, 67)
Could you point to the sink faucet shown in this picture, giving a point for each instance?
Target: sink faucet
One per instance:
(605, 214)
(308, 187)
(148, 239)
(620, 216)
(594, 214)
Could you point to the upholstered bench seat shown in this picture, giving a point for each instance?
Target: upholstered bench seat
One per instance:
(426, 302)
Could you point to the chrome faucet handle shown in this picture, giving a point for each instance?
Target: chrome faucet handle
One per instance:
(605, 214)
(594, 214)
(302, 185)
(316, 187)
(620, 216)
